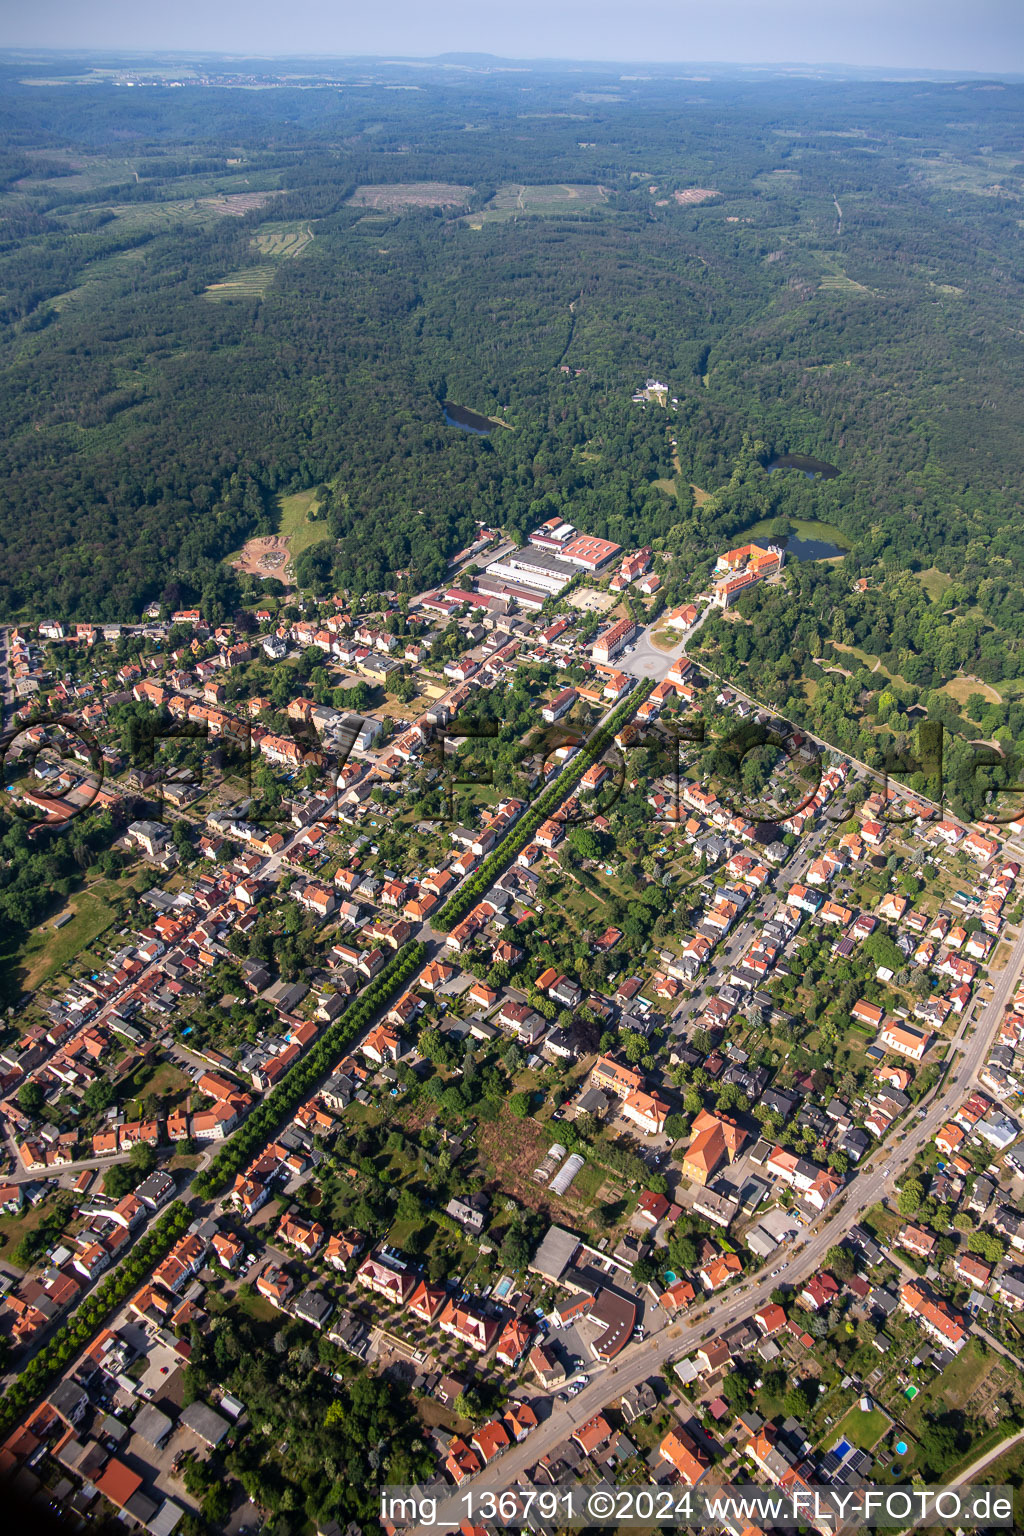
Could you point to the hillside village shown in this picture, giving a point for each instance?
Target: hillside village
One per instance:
(466, 1024)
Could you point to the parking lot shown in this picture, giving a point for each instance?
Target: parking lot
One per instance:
(590, 601)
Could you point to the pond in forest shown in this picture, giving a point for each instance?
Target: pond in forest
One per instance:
(808, 538)
(466, 420)
(811, 549)
(814, 469)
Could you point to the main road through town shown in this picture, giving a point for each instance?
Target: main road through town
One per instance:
(640, 1360)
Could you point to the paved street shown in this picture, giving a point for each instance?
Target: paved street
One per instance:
(645, 659)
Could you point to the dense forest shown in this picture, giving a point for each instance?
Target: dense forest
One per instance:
(852, 290)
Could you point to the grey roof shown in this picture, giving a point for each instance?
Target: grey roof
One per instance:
(202, 1421)
(152, 1424)
(884, 1300)
(285, 995)
(68, 1399)
(165, 1519)
(156, 1187)
(555, 1253)
(312, 1307)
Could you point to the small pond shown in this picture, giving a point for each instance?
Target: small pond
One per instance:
(811, 549)
(814, 469)
(466, 420)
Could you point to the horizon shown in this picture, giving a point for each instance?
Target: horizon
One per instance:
(986, 37)
(456, 59)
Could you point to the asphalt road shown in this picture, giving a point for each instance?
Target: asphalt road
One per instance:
(866, 1189)
(648, 660)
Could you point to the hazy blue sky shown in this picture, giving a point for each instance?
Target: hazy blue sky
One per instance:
(985, 35)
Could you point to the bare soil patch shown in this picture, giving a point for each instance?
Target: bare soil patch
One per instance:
(391, 198)
(266, 556)
(695, 195)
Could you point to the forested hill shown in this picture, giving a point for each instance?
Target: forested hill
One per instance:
(210, 295)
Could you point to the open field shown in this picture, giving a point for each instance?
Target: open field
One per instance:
(84, 172)
(935, 582)
(48, 951)
(100, 279)
(246, 283)
(517, 1147)
(961, 688)
(283, 240)
(975, 1377)
(272, 554)
(294, 527)
(1008, 1468)
(514, 199)
(394, 196)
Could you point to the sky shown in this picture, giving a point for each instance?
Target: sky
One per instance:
(968, 35)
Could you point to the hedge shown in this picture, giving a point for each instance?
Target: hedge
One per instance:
(297, 1083)
(75, 1332)
(470, 891)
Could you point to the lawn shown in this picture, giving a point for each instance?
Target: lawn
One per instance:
(962, 1383)
(258, 1307)
(166, 1079)
(47, 951)
(961, 688)
(935, 582)
(861, 1429)
(589, 1181)
(293, 524)
(14, 1228)
(873, 663)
